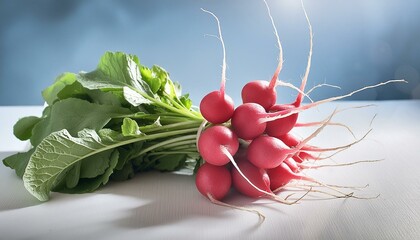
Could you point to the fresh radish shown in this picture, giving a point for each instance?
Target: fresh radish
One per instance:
(246, 121)
(282, 175)
(217, 107)
(261, 92)
(254, 182)
(256, 176)
(213, 180)
(293, 165)
(213, 140)
(268, 152)
(281, 126)
(270, 156)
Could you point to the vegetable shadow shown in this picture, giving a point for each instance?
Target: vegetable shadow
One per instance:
(14, 195)
(170, 198)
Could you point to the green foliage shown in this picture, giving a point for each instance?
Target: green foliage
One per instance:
(105, 124)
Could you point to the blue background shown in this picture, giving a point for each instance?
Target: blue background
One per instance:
(356, 43)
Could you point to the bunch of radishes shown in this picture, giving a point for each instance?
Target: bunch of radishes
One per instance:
(251, 147)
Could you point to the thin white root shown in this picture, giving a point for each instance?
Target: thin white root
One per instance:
(286, 113)
(215, 201)
(338, 164)
(339, 147)
(343, 195)
(356, 107)
(318, 186)
(310, 124)
(330, 156)
(273, 81)
(315, 133)
(330, 187)
(322, 85)
(334, 196)
(359, 90)
(308, 65)
(371, 121)
(223, 81)
(289, 85)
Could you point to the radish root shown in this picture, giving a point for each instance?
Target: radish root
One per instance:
(215, 201)
(337, 164)
(220, 37)
(285, 113)
(274, 81)
(334, 196)
(322, 85)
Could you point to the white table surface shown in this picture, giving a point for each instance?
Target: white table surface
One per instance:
(168, 206)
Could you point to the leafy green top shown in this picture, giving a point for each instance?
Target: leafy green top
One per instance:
(112, 122)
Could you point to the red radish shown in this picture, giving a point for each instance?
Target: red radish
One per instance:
(217, 107)
(268, 152)
(254, 182)
(261, 92)
(290, 139)
(218, 143)
(258, 177)
(282, 175)
(281, 126)
(213, 141)
(293, 165)
(213, 180)
(246, 121)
